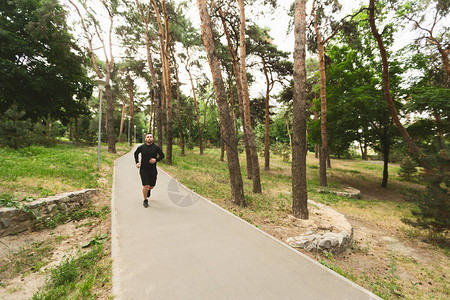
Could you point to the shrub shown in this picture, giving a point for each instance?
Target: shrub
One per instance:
(14, 132)
(282, 150)
(432, 211)
(408, 167)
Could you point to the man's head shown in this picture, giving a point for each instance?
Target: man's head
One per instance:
(149, 138)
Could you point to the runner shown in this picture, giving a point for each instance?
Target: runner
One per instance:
(150, 155)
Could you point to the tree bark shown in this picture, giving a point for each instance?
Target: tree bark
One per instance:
(153, 93)
(237, 76)
(166, 90)
(131, 106)
(328, 159)
(266, 119)
(323, 101)
(70, 128)
(122, 119)
(197, 111)
(229, 137)
(386, 147)
(387, 95)
(180, 127)
(251, 135)
(109, 66)
(299, 150)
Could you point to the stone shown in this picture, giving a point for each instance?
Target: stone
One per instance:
(14, 220)
(336, 237)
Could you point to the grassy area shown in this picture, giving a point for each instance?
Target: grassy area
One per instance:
(38, 171)
(74, 258)
(388, 257)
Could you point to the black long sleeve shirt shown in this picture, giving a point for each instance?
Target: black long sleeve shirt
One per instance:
(147, 152)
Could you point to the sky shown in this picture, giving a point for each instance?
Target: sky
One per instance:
(278, 23)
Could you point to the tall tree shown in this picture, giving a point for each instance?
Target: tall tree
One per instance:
(180, 127)
(275, 67)
(429, 24)
(232, 50)
(164, 44)
(320, 22)
(109, 59)
(194, 95)
(387, 93)
(145, 13)
(247, 123)
(229, 137)
(41, 68)
(299, 150)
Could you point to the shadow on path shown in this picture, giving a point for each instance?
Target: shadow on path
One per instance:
(185, 247)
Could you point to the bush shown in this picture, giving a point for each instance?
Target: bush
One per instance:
(282, 150)
(189, 144)
(432, 211)
(14, 132)
(408, 167)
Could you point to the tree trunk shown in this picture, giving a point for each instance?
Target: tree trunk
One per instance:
(197, 111)
(165, 73)
(299, 191)
(386, 147)
(316, 146)
(363, 151)
(323, 102)
(328, 159)
(251, 135)
(387, 95)
(70, 128)
(109, 65)
(240, 95)
(180, 128)
(122, 119)
(266, 120)
(77, 135)
(153, 91)
(288, 132)
(222, 149)
(233, 116)
(237, 190)
(131, 105)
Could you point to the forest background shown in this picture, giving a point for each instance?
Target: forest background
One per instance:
(356, 95)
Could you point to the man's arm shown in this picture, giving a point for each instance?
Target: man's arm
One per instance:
(160, 155)
(136, 155)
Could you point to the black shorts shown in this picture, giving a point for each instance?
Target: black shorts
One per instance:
(148, 176)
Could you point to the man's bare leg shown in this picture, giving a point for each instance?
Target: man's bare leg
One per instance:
(145, 189)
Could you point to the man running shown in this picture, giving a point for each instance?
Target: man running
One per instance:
(150, 154)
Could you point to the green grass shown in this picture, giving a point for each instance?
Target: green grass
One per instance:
(27, 259)
(64, 161)
(38, 171)
(34, 172)
(275, 203)
(76, 277)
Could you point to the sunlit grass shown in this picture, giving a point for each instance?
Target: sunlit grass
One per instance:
(38, 171)
(208, 176)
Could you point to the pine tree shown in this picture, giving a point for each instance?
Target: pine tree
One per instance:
(14, 132)
(408, 168)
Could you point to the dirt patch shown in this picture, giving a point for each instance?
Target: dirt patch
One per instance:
(66, 240)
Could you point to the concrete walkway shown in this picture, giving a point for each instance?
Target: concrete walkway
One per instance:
(185, 247)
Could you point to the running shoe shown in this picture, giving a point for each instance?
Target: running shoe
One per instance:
(145, 203)
(149, 193)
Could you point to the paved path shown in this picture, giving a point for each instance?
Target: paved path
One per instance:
(186, 247)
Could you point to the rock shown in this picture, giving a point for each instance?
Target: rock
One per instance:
(336, 238)
(14, 220)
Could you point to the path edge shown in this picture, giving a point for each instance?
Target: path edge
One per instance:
(355, 285)
(115, 251)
